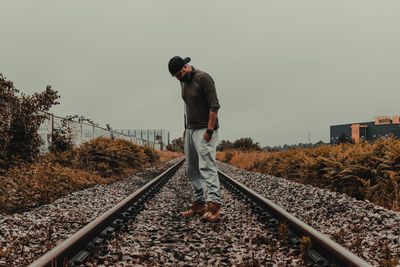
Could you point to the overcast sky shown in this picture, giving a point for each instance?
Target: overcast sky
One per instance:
(281, 68)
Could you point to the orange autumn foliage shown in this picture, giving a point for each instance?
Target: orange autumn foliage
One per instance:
(39, 183)
(364, 170)
(99, 161)
(240, 158)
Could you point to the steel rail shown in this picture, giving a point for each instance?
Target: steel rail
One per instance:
(329, 248)
(61, 254)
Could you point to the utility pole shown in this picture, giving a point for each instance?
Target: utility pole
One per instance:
(309, 136)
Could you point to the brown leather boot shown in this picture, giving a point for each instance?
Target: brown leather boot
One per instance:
(212, 213)
(197, 207)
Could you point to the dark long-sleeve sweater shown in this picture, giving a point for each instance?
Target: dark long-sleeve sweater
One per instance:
(200, 97)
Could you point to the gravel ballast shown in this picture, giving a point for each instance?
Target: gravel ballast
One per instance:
(158, 232)
(28, 235)
(161, 236)
(362, 227)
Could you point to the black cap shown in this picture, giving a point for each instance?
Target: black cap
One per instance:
(176, 63)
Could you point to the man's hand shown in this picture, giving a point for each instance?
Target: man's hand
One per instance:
(207, 136)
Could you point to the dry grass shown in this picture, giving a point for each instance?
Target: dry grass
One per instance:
(98, 161)
(35, 184)
(241, 159)
(364, 170)
(166, 155)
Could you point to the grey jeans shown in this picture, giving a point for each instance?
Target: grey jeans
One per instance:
(201, 165)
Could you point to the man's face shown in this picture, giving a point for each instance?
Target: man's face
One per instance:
(179, 75)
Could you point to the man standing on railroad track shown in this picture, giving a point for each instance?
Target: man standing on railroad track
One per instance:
(200, 137)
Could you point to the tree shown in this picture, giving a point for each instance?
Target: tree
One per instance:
(246, 144)
(224, 145)
(21, 116)
(176, 145)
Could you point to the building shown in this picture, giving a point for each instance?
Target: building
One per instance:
(153, 135)
(382, 126)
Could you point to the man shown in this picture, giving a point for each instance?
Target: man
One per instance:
(200, 137)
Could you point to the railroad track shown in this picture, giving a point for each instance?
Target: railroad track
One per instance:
(325, 252)
(86, 243)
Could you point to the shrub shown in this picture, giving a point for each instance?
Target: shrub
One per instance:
(113, 157)
(152, 155)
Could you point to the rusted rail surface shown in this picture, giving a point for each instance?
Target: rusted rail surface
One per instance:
(328, 248)
(71, 247)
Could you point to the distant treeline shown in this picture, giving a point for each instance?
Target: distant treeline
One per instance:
(246, 143)
(286, 147)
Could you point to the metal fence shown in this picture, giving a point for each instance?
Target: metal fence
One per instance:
(152, 135)
(82, 132)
